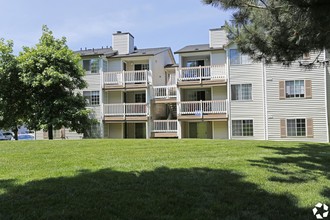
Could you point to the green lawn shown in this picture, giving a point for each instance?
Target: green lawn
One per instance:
(162, 179)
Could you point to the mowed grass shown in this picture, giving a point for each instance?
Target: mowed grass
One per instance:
(162, 179)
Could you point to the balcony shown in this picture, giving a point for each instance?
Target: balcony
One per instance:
(206, 110)
(206, 75)
(126, 111)
(126, 79)
(165, 128)
(165, 94)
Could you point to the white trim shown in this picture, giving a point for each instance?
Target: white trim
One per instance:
(295, 118)
(228, 95)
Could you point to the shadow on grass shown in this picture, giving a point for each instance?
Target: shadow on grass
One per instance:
(159, 194)
(297, 164)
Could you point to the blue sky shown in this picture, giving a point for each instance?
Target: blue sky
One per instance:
(153, 23)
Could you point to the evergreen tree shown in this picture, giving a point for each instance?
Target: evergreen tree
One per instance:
(280, 30)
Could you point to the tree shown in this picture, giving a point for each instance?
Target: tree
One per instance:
(53, 73)
(13, 93)
(277, 29)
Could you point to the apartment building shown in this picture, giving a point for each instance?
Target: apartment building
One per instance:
(120, 86)
(213, 92)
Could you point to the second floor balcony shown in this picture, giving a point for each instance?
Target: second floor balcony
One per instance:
(126, 79)
(126, 111)
(164, 93)
(202, 75)
(212, 109)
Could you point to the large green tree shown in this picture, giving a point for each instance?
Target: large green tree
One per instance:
(277, 29)
(13, 93)
(53, 73)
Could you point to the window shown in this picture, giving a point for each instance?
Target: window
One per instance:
(295, 89)
(236, 57)
(92, 97)
(195, 63)
(296, 127)
(141, 67)
(91, 66)
(241, 92)
(242, 128)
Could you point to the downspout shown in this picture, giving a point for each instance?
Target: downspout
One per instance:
(265, 105)
(326, 94)
(228, 93)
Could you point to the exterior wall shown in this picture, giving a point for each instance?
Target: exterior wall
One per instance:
(112, 97)
(123, 43)
(93, 81)
(220, 130)
(113, 130)
(254, 109)
(218, 38)
(114, 65)
(218, 58)
(328, 96)
(219, 93)
(314, 108)
(157, 67)
(206, 59)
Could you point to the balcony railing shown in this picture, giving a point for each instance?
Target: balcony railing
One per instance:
(202, 73)
(125, 109)
(165, 126)
(164, 92)
(199, 108)
(126, 77)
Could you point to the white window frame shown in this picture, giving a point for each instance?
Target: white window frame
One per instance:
(240, 92)
(242, 130)
(295, 89)
(91, 69)
(92, 97)
(296, 127)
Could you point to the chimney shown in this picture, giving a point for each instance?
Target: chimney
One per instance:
(123, 42)
(218, 37)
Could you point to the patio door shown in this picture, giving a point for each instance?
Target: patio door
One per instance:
(140, 130)
(198, 130)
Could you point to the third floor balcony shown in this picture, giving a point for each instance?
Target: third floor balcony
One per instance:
(126, 79)
(208, 75)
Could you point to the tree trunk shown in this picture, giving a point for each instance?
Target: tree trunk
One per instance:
(50, 132)
(15, 130)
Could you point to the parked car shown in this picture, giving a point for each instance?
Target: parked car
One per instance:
(2, 137)
(9, 135)
(25, 137)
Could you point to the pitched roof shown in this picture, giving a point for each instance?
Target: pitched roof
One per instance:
(109, 52)
(195, 48)
(99, 51)
(144, 52)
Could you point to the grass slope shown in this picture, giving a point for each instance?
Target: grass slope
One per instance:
(162, 179)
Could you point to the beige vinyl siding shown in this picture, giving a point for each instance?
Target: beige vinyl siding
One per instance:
(249, 110)
(328, 94)
(313, 108)
(157, 64)
(93, 82)
(220, 130)
(218, 38)
(218, 58)
(124, 43)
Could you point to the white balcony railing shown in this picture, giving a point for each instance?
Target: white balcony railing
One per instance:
(126, 77)
(164, 92)
(165, 126)
(199, 108)
(202, 73)
(126, 109)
